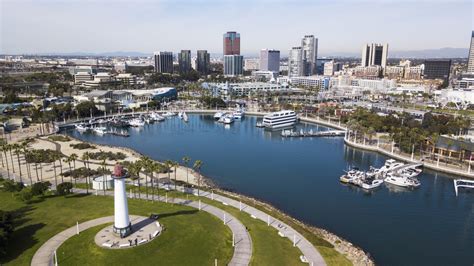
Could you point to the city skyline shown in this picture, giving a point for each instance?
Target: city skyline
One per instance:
(129, 26)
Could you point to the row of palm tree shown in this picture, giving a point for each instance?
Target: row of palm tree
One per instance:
(144, 165)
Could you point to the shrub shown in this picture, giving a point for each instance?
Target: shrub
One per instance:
(6, 229)
(59, 138)
(12, 186)
(39, 188)
(64, 188)
(112, 156)
(80, 172)
(82, 146)
(25, 195)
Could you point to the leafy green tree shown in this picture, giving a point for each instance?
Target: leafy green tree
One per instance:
(25, 195)
(64, 188)
(39, 188)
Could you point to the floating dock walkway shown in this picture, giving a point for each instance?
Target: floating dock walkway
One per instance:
(301, 133)
(462, 183)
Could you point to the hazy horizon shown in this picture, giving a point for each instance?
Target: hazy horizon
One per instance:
(342, 26)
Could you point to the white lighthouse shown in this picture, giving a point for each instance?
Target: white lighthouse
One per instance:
(122, 224)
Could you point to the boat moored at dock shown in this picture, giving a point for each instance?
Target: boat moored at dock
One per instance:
(281, 119)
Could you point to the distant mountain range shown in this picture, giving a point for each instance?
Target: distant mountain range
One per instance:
(427, 53)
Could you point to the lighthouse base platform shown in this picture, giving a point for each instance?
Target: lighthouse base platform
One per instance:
(144, 230)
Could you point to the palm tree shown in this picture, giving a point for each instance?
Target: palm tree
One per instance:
(24, 147)
(85, 158)
(10, 148)
(147, 165)
(155, 167)
(68, 160)
(53, 158)
(103, 170)
(5, 149)
(197, 167)
(17, 151)
(134, 170)
(168, 164)
(186, 160)
(73, 158)
(175, 164)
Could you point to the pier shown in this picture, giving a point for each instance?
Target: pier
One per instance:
(462, 183)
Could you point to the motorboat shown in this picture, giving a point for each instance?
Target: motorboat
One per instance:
(390, 165)
(136, 122)
(411, 172)
(157, 117)
(82, 127)
(168, 114)
(100, 130)
(239, 114)
(350, 176)
(371, 183)
(402, 181)
(185, 117)
(180, 115)
(228, 119)
(259, 124)
(218, 115)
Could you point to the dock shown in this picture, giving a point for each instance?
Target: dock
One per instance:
(311, 133)
(462, 183)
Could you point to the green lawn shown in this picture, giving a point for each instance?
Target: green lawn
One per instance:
(281, 250)
(191, 237)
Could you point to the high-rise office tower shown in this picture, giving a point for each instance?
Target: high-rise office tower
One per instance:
(270, 60)
(163, 62)
(233, 65)
(203, 62)
(309, 46)
(470, 62)
(295, 62)
(184, 60)
(374, 55)
(437, 69)
(231, 43)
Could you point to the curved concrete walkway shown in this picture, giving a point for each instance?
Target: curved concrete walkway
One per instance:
(242, 249)
(307, 249)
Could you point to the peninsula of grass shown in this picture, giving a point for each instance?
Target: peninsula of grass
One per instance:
(191, 237)
(268, 247)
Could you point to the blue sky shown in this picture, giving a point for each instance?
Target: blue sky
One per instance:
(42, 26)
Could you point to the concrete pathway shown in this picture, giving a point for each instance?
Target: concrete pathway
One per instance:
(242, 249)
(306, 248)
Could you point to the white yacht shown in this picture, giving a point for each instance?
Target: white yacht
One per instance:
(136, 122)
(185, 117)
(100, 130)
(228, 119)
(157, 117)
(280, 119)
(239, 114)
(218, 115)
(402, 181)
(389, 166)
(168, 114)
(82, 127)
(351, 176)
(371, 183)
(180, 115)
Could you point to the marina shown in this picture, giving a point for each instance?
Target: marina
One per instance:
(300, 177)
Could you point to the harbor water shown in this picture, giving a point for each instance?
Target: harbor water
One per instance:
(425, 226)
